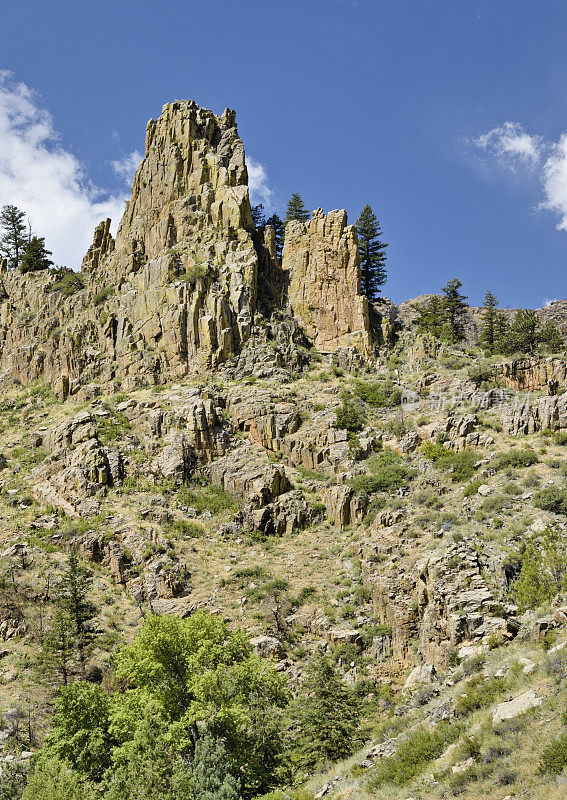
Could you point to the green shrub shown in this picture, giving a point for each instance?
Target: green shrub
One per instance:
(543, 572)
(193, 274)
(560, 437)
(554, 756)
(380, 394)
(207, 497)
(103, 295)
(186, 527)
(479, 692)
(413, 756)
(350, 416)
(388, 470)
(552, 499)
(461, 466)
(69, 282)
(516, 458)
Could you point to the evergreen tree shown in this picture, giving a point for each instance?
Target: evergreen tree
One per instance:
(454, 307)
(372, 253)
(328, 715)
(258, 217)
(552, 340)
(14, 237)
(491, 324)
(296, 209)
(58, 647)
(526, 334)
(212, 778)
(35, 256)
(431, 317)
(279, 231)
(73, 598)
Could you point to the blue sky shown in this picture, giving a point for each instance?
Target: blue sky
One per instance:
(445, 115)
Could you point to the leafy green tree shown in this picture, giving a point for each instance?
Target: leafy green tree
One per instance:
(279, 232)
(328, 716)
(55, 780)
(349, 415)
(198, 674)
(296, 209)
(258, 217)
(79, 732)
(212, 777)
(147, 766)
(454, 307)
(372, 253)
(14, 239)
(524, 332)
(35, 256)
(13, 779)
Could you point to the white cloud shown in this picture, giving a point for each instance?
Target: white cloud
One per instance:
(510, 143)
(260, 190)
(126, 167)
(45, 180)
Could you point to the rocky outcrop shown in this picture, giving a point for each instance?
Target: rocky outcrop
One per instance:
(533, 374)
(322, 274)
(532, 415)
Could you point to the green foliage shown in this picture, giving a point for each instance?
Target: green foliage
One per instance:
(552, 499)
(554, 756)
(102, 296)
(543, 572)
(35, 256)
(349, 415)
(279, 232)
(459, 465)
(188, 528)
(514, 458)
(414, 754)
(258, 216)
(212, 778)
(478, 693)
(527, 334)
(13, 240)
(443, 316)
(80, 729)
(381, 394)
(372, 253)
(67, 283)
(480, 374)
(55, 780)
(194, 274)
(387, 470)
(494, 326)
(207, 497)
(472, 488)
(327, 715)
(296, 209)
(13, 779)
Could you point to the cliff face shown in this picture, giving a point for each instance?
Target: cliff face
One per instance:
(180, 287)
(321, 265)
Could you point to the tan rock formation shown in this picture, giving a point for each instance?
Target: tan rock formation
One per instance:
(321, 265)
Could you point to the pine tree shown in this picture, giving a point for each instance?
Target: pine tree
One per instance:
(58, 646)
(454, 307)
(296, 209)
(279, 232)
(524, 332)
(551, 338)
(212, 778)
(431, 317)
(35, 256)
(73, 598)
(14, 237)
(258, 217)
(372, 253)
(489, 323)
(328, 715)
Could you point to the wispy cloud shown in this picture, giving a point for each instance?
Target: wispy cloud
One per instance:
(511, 145)
(258, 184)
(126, 166)
(44, 179)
